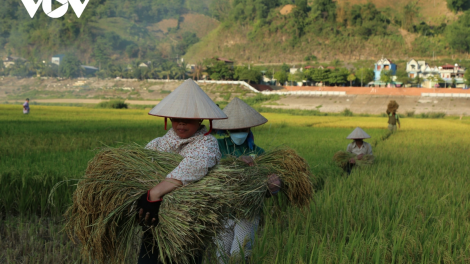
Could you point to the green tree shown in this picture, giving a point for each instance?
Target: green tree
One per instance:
(386, 76)
(410, 13)
(467, 77)
(417, 80)
(187, 40)
(296, 77)
(281, 77)
(168, 69)
(70, 66)
(181, 71)
(402, 76)
(326, 9)
(325, 75)
(338, 76)
(248, 75)
(198, 71)
(285, 67)
(458, 34)
(351, 78)
(454, 83)
(458, 5)
(365, 75)
(220, 71)
(320, 75)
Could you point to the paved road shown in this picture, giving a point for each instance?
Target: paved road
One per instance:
(88, 101)
(377, 91)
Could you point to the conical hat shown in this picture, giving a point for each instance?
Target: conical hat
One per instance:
(188, 101)
(358, 133)
(240, 115)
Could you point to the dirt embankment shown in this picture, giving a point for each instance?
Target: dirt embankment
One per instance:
(93, 90)
(375, 104)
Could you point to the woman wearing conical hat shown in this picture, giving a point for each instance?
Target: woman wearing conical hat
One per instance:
(239, 142)
(393, 118)
(358, 147)
(186, 107)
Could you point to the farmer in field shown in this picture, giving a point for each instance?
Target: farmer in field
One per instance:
(186, 107)
(239, 233)
(393, 118)
(26, 106)
(359, 149)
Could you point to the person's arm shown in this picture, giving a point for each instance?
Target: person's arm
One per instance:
(164, 187)
(202, 156)
(398, 120)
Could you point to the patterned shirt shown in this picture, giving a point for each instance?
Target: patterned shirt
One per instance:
(200, 153)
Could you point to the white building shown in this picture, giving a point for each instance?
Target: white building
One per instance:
(57, 59)
(447, 72)
(423, 70)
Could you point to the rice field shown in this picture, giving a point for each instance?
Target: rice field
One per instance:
(411, 206)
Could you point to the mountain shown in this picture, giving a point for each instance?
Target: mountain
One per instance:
(261, 31)
(108, 30)
(247, 31)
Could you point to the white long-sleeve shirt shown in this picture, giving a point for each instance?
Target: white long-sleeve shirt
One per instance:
(200, 153)
(365, 149)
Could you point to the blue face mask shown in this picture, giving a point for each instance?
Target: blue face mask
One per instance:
(239, 138)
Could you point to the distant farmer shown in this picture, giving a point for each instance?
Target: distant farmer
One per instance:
(358, 152)
(239, 234)
(186, 107)
(393, 118)
(26, 106)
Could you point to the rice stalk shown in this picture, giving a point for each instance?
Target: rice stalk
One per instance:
(341, 158)
(292, 169)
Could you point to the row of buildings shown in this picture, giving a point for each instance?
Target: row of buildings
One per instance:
(420, 69)
(415, 69)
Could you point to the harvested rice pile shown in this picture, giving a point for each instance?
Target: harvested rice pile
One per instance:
(342, 158)
(392, 106)
(103, 213)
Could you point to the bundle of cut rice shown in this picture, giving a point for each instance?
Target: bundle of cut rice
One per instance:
(292, 169)
(392, 106)
(342, 158)
(103, 213)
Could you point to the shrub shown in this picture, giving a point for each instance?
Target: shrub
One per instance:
(347, 112)
(437, 115)
(432, 115)
(116, 104)
(410, 113)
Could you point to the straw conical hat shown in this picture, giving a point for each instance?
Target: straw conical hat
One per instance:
(188, 101)
(358, 133)
(240, 115)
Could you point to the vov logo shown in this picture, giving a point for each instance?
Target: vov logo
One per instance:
(77, 6)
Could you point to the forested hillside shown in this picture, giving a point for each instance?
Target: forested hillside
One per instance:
(275, 31)
(258, 31)
(107, 30)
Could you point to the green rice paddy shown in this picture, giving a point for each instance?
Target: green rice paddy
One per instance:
(411, 206)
